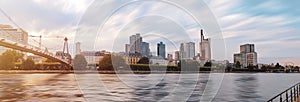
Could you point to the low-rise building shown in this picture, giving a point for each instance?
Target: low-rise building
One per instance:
(132, 59)
(158, 60)
(93, 57)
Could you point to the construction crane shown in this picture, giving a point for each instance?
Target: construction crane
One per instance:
(40, 38)
(65, 48)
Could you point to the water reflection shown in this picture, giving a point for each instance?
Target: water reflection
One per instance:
(12, 90)
(246, 88)
(172, 87)
(38, 87)
(64, 87)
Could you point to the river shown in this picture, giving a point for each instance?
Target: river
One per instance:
(233, 87)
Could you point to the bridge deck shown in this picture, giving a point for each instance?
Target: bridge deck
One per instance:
(32, 50)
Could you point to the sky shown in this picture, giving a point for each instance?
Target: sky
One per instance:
(272, 25)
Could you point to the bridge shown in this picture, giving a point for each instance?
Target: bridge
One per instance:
(64, 60)
(17, 39)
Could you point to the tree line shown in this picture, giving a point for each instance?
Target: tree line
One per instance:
(9, 58)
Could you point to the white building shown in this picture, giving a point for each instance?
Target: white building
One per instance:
(9, 33)
(225, 62)
(158, 60)
(93, 57)
(127, 48)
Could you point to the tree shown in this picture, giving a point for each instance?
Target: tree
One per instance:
(143, 60)
(250, 67)
(8, 59)
(297, 68)
(79, 62)
(28, 64)
(264, 67)
(109, 62)
(179, 64)
(189, 65)
(207, 64)
(277, 66)
(238, 64)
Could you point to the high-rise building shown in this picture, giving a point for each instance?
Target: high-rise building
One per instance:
(205, 50)
(187, 50)
(251, 58)
(127, 48)
(177, 56)
(161, 50)
(247, 55)
(78, 49)
(145, 49)
(136, 43)
(247, 48)
(132, 40)
(238, 58)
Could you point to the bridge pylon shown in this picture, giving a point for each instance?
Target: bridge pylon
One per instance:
(66, 54)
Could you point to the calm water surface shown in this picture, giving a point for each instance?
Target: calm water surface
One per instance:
(235, 87)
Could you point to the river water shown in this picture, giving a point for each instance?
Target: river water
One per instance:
(233, 87)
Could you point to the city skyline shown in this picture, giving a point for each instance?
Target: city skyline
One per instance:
(273, 37)
(150, 50)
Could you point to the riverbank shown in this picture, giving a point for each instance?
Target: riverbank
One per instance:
(88, 72)
(118, 72)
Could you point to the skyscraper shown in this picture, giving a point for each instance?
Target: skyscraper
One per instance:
(247, 48)
(247, 55)
(177, 55)
(145, 49)
(132, 40)
(161, 50)
(136, 43)
(205, 50)
(127, 48)
(187, 50)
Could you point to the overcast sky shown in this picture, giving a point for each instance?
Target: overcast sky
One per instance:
(272, 25)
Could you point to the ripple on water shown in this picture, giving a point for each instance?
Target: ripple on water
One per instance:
(63, 87)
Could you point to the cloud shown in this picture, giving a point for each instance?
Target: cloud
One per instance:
(47, 18)
(133, 12)
(264, 23)
(271, 25)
